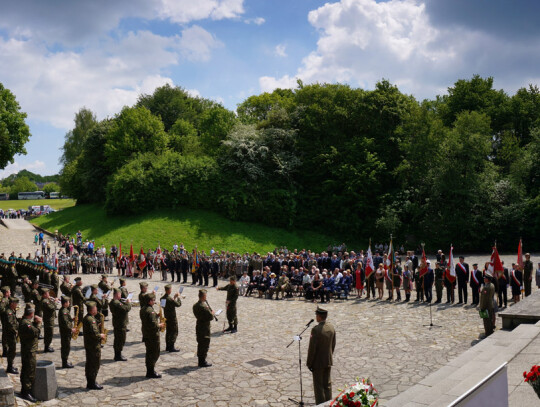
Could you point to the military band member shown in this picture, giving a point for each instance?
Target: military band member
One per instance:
(65, 287)
(169, 312)
(77, 297)
(4, 306)
(48, 306)
(123, 289)
(120, 318)
(105, 288)
(92, 346)
(55, 281)
(232, 297)
(29, 329)
(204, 316)
(26, 288)
(151, 329)
(11, 327)
(144, 289)
(320, 356)
(35, 297)
(65, 325)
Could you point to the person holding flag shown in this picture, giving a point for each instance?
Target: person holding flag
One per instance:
(142, 263)
(195, 267)
(370, 275)
(450, 277)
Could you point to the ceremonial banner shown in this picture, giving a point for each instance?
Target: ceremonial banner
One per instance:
(424, 265)
(120, 252)
(370, 268)
(131, 254)
(520, 256)
(195, 261)
(495, 267)
(451, 268)
(142, 262)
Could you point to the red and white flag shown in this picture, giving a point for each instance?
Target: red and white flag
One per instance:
(370, 267)
(451, 268)
(520, 256)
(495, 267)
(142, 260)
(424, 265)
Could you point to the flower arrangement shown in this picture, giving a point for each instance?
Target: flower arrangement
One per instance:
(533, 378)
(360, 394)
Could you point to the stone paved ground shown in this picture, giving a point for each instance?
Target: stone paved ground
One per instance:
(387, 342)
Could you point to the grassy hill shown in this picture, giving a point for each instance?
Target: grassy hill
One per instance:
(188, 226)
(24, 204)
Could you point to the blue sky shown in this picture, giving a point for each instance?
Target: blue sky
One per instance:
(61, 55)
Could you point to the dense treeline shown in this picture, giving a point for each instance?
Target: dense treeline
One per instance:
(463, 168)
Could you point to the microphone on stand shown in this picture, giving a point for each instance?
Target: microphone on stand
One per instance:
(309, 323)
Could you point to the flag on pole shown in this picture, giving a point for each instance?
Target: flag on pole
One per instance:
(158, 252)
(142, 260)
(370, 267)
(390, 261)
(120, 251)
(495, 268)
(520, 256)
(451, 268)
(195, 261)
(131, 254)
(424, 265)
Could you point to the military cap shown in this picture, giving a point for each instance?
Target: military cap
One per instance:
(202, 291)
(122, 280)
(5, 289)
(77, 279)
(24, 276)
(117, 291)
(475, 264)
(143, 284)
(149, 296)
(43, 290)
(29, 308)
(14, 299)
(232, 278)
(65, 298)
(321, 311)
(90, 304)
(104, 276)
(94, 286)
(168, 287)
(35, 282)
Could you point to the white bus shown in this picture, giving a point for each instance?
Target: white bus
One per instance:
(32, 195)
(54, 195)
(4, 196)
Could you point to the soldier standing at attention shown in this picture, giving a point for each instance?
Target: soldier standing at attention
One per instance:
(29, 329)
(48, 305)
(169, 311)
(4, 306)
(232, 296)
(204, 316)
(105, 288)
(150, 329)
(92, 346)
(35, 297)
(486, 304)
(65, 324)
(439, 277)
(319, 361)
(120, 319)
(11, 326)
(123, 288)
(527, 274)
(65, 287)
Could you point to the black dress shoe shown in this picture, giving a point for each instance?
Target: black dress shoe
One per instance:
(94, 386)
(12, 370)
(205, 364)
(153, 375)
(48, 350)
(173, 350)
(28, 397)
(67, 365)
(120, 358)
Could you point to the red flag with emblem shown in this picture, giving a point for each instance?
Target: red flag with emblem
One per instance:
(495, 268)
(142, 259)
(520, 256)
(131, 254)
(424, 265)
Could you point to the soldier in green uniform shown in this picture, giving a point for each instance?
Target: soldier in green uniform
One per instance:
(92, 346)
(123, 288)
(232, 297)
(35, 297)
(65, 324)
(4, 306)
(99, 303)
(65, 287)
(120, 318)
(419, 285)
(55, 281)
(144, 290)
(11, 327)
(26, 288)
(204, 316)
(10, 276)
(77, 297)
(439, 280)
(169, 312)
(151, 329)
(320, 356)
(29, 329)
(486, 304)
(48, 305)
(105, 288)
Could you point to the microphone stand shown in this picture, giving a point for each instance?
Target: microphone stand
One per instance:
(301, 402)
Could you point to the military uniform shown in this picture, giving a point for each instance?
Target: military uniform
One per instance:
(232, 297)
(65, 289)
(150, 330)
(105, 302)
(169, 312)
(320, 358)
(202, 329)
(439, 277)
(4, 306)
(123, 290)
(92, 346)
(120, 319)
(11, 326)
(65, 325)
(28, 334)
(78, 299)
(486, 303)
(35, 297)
(48, 306)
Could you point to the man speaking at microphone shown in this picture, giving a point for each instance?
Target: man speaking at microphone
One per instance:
(321, 348)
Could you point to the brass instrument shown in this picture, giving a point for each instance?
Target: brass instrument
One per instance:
(76, 323)
(102, 329)
(210, 308)
(162, 320)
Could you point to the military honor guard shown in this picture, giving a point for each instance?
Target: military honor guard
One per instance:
(78, 299)
(320, 356)
(151, 327)
(230, 302)
(120, 308)
(92, 345)
(169, 305)
(204, 316)
(29, 329)
(11, 327)
(65, 324)
(48, 306)
(486, 304)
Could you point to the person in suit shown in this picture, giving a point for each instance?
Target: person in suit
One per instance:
(429, 278)
(462, 273)
(503, 281)
(516, 281)
(320, 356)
(476, 281)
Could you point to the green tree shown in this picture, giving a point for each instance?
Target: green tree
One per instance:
(22, 184)
(214, 125)
(133, 131)
(74, 139)
(51, 187)
(14, 132)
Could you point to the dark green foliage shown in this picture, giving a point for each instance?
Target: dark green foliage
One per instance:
(14, 132)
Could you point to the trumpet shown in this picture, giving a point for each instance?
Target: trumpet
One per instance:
(76, 323)
(102, 329)
(43, 285)
(162, 320)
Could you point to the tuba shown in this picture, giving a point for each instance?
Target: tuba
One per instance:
(162, 320)
(102, 329)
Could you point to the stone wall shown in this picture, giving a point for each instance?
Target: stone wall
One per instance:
(7, 395)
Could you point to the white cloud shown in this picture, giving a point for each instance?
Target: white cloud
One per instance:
(280, 50)
(256, 21)
(184, 11)
(362, 41)
(36, 166)
(196, 43)
(193, 93)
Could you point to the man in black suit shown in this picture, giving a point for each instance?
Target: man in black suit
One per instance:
(503, 281)
(462, 273)
(428, 283)
(476, 280)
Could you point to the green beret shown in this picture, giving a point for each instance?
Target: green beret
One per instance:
(90, 304)
(143, 284)
(149, 296)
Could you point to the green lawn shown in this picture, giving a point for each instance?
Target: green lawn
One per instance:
(188, 226)
(24, 204)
